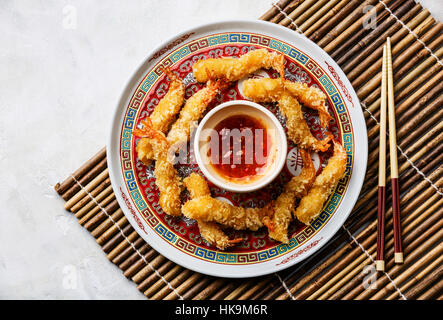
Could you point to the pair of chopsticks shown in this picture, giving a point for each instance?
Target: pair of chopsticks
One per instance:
(387, 98)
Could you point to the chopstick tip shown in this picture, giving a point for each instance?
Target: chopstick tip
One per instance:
(380, 265)
(398, 257)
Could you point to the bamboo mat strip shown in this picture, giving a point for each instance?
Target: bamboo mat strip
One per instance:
(344, 269)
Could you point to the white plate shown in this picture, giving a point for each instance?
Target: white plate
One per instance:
(177, 239)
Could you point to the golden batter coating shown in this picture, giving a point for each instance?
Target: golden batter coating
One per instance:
(163, 114)
(213, 233)
(144, 151)
(169, 106)
(311, 205)
(277, 90)
(298, 129)
(192, 111)
(210, 231)
(232, 69)
(166, 177)
(270, 90)
(312, 98)
(283, 206)
(210, 209)
(196, 185)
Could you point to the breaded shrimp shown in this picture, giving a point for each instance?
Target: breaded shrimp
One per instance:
(196, 185)
(269, 90)
(210, 231)
(169, 106)
(203, 207)
(192, 111)
(312, 98)
(144, 151)
(163, 115)
(311, 205)
(210, 209)
(298, 129)
(283, 206)
(232, 69)
(167, 179)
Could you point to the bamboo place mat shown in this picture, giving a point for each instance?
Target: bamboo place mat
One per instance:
(343, 269)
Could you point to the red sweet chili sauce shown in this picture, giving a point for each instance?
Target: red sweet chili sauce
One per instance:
(243, 145)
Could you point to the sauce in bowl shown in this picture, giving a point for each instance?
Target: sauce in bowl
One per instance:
(242, 147)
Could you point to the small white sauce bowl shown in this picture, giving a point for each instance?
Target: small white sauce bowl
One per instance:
(276, 155)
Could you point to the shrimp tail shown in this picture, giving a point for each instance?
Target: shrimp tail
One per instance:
(269, 223)
(279, 65)
(235, 241)
(171, 75)
(324, 144)
(308, 167)
(148, 131)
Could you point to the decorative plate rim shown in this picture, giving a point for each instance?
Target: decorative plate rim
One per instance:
(286, 260)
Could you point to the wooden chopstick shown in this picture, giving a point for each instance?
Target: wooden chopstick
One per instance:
(380, 260)
(398, 252)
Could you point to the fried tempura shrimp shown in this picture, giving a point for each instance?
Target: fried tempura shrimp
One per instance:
(298, 129)
(232, 69)
(167, 179)
(169, 106)
(269, 90)
(210, 231)
(144, 151)
(311, 205)
(283, 206)
(210, 209)
(192, 111)
(312, 98)
(196, 185)
(163, 115)
(203, 207)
